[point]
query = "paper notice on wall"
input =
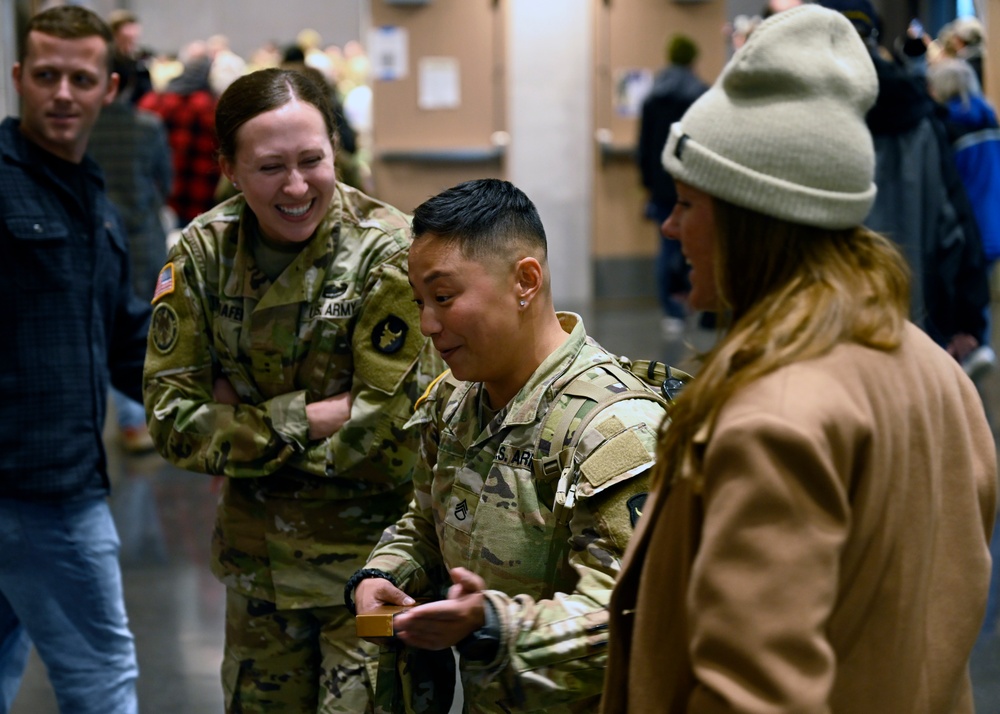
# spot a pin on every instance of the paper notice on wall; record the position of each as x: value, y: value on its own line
x: 632, y: 86
x: 388, y: 50
x: 439, y: 83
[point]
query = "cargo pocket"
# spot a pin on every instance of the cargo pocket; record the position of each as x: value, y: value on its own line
x: 233, y: 672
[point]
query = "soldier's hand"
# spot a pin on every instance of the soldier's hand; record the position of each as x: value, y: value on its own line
x: 328, y: 415
x: 442, y: 624
x: 372, y: 592
x: 465, y: 582
x: 223, y: 392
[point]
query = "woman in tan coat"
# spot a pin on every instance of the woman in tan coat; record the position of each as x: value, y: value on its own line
x: 826, y: 489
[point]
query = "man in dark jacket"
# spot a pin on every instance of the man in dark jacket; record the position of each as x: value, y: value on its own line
x: 674, y: 90
x: 71, y: 321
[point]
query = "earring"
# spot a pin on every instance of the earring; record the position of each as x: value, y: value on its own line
x: 523, y: 303
x: 236, y: 186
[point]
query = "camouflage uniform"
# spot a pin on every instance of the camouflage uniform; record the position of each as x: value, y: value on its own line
x: 480, y: 504
x: 339, y: 318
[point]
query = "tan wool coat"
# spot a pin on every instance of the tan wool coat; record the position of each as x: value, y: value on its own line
x: 832, y: 558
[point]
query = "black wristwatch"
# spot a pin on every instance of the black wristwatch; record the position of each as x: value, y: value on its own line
x: 363, y: 574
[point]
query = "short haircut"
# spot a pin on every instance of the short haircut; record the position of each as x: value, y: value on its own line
x: 487, y: 218
x: 119, y: 18
x: 681, y: 51
x: 264, y: 91
x: 68, y: 22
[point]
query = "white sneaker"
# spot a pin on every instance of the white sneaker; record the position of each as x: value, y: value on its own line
x: 979, y: 361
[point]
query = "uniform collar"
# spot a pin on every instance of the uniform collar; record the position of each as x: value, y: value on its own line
x: 544, y: 382
x: 547, y: 379
x: 303, y: 278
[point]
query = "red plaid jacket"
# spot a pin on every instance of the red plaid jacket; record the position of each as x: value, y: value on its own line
x: 190, y: 121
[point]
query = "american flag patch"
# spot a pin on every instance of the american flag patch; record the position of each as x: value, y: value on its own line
x: 164, y: 283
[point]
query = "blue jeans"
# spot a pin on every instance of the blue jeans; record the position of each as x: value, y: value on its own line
x: 60, y: 586
x: 671, y: 268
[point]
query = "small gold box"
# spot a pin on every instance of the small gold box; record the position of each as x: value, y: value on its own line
x: 378, y: 622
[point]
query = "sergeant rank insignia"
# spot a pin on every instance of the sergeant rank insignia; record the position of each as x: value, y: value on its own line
x: 163, y: 328
x: 389, y: 335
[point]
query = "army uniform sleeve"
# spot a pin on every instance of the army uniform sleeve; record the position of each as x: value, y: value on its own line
x: 553, y: 651
x: 410, y: 549
x: 189, y: 428
x: 393, y: 364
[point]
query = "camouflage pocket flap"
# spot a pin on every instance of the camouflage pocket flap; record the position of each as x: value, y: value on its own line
x: 387, y: 336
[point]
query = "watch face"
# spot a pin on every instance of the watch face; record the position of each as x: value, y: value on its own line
x: 481, y: 645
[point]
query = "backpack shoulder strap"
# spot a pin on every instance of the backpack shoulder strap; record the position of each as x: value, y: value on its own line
x: 658, y: 375
x: 556, y: 459
x: 555, y: 454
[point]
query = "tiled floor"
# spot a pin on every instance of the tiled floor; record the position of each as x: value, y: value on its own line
x: 176, y: 606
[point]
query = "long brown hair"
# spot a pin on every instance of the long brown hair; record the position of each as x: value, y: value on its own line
x: 792, y: 293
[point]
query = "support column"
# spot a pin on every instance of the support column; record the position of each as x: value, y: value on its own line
x: 549, y: 122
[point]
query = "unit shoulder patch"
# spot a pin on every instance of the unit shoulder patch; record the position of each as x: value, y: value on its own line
x: 386, y: 342
x: 164, y: 328
x: 619, y: 508
x: 389, y: 335
x: 635, y: 506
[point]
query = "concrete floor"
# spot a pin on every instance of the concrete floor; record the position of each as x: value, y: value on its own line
x: 165, y: 517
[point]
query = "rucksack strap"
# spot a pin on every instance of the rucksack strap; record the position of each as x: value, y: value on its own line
x: 654, y: 381
x: 643, y: 379
x: 659, y: 375
x: 569, y: 475
x: 580, y: 394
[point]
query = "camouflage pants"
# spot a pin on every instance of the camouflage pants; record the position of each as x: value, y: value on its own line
x: 300, y: 661
x: 412, y: 681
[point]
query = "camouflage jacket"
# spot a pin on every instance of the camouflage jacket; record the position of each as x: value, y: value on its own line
x: 339, y: 318
x: 481, y: 504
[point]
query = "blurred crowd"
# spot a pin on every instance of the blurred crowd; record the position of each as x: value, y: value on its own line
x: 962, y: 38
x: 937, y: 147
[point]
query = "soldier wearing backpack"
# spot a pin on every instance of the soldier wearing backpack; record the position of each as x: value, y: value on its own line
x: 536, y: 450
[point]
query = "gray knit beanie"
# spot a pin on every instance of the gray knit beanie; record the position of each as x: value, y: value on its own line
x: 782, y: 131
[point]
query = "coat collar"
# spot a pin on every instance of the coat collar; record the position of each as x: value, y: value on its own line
x: 16, y: 148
